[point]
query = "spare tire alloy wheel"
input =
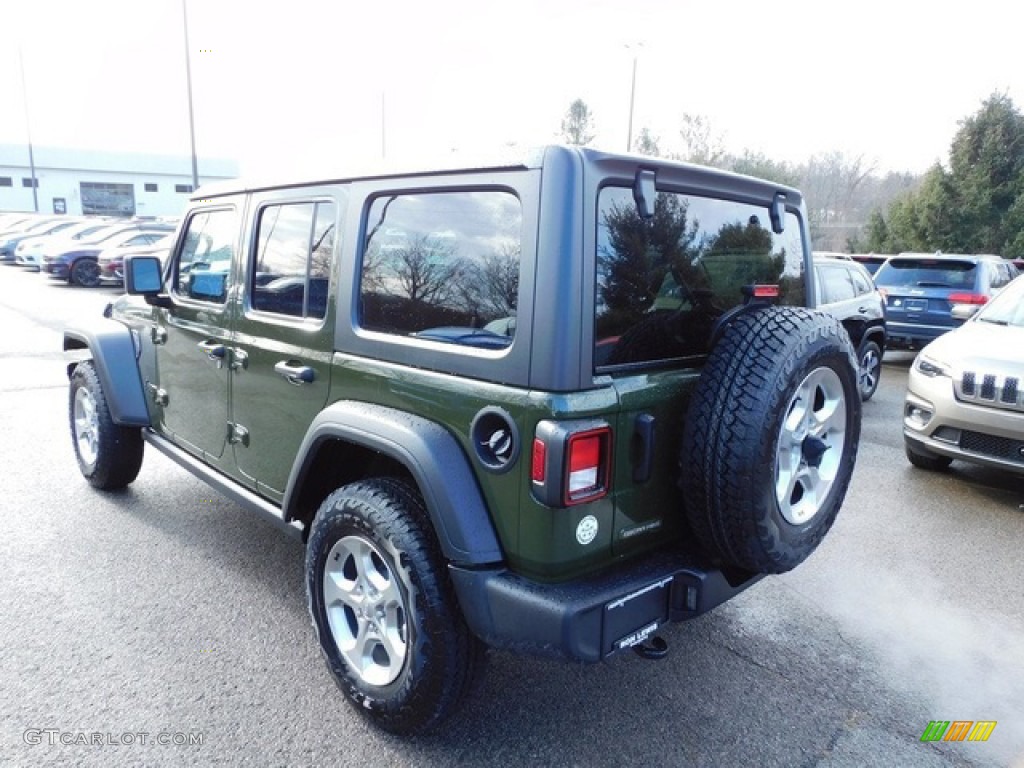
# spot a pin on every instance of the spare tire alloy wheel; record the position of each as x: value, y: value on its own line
x: 384, y: 609
x: 811, y: 446
x: 771, y: 438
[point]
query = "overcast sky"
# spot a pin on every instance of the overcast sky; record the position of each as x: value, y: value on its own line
x: 313, y: 81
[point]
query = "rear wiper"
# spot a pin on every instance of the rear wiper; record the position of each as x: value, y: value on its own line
x: 928, y: 284
x: 994, y: 322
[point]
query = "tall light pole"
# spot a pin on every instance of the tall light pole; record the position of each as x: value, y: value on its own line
x: 188, y: 83
x: 28, y: 131
x: 632, y: 96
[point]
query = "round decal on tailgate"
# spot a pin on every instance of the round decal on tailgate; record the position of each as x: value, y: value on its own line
x: 586, y: 531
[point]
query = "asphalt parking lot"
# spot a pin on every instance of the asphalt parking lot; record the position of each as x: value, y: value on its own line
x: 164, y: 625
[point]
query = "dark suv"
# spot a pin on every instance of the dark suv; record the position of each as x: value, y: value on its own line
x: 928, y: 294
x: 845, y: 290
x: 548, y: 405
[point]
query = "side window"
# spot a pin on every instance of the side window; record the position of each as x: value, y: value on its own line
x: 836, y: 285
x: 861, y: 283
x: 1000, y: 275
x: 138, y: 240
x: 443, y: 266
x: 204, y: 264
x: 293, y: 259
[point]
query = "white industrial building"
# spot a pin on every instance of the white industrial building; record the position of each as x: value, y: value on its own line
x: 79, y: 181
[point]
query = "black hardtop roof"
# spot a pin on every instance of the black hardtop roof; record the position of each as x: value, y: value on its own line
x: 521, y: 159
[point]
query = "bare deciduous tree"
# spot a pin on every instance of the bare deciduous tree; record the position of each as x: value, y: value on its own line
x: 578, y: 124
x: 702, y: 144
x: 647, y: 144
x: 426, y: 271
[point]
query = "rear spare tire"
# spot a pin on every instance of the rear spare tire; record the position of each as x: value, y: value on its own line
x: 771, y: 438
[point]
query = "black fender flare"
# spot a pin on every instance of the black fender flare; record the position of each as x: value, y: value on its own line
x: 432, y: 456
x: 113, y: 352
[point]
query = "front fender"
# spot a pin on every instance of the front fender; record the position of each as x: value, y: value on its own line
x: 113, y: 354
x: 434, y: 459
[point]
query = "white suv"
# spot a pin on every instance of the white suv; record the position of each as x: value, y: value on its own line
x: 965, y: 398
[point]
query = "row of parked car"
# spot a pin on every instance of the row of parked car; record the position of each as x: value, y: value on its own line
x: 86, y: 251
x: 964, y: 314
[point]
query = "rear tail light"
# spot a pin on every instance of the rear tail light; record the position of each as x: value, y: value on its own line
x: 766, y: 291
x: 538, y: 467
x: 760, y: 291
x: 571, y: 462
x: 587, y: 457
x: 967, y: 298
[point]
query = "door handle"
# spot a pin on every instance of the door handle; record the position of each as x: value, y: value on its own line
x: 214, y: 351
x: 239, y: 359
x: 296, y: 374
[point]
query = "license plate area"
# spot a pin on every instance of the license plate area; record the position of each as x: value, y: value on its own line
x: 916, y: 305
x: 630, y: 620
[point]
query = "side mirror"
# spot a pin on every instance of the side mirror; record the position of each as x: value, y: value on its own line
x: 143, y: 277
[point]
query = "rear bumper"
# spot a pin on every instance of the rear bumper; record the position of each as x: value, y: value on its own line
x: 901, y: 335
x: 590, y: 619
x: 58, y: 270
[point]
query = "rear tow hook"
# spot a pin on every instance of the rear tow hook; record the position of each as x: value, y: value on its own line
x: 656, y: 649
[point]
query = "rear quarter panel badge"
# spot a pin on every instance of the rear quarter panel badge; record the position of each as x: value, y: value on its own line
x: 586, y: 531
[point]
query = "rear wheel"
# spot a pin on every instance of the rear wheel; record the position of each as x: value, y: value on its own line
x: 870, y: 369
x: 384, y: 608
x: 771, y: 438
x: 109, y: 455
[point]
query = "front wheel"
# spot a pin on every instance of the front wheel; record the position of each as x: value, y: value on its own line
x: 86, y: 273
x: 109, y: 455
x: 932, y: 462
x: 384, y: 608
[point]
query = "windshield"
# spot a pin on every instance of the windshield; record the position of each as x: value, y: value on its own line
x: 1007, y: 308
x: 663, y: 282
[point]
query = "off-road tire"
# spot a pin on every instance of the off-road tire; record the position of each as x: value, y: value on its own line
x: 109, y: 455
x: 374, y: 539
x: 932, y: 462
x: 778, y: 394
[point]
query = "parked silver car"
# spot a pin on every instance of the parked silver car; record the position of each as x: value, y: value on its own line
x: 965, y: 398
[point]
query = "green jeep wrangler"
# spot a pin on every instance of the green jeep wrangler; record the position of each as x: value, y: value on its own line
x: 548, y: 405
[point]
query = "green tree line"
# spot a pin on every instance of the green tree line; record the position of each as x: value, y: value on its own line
x: 972, y: 204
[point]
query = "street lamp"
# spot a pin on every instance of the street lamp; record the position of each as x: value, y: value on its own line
x: 188, y: 83
x: 28, y: 130
x: 632, y: 95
